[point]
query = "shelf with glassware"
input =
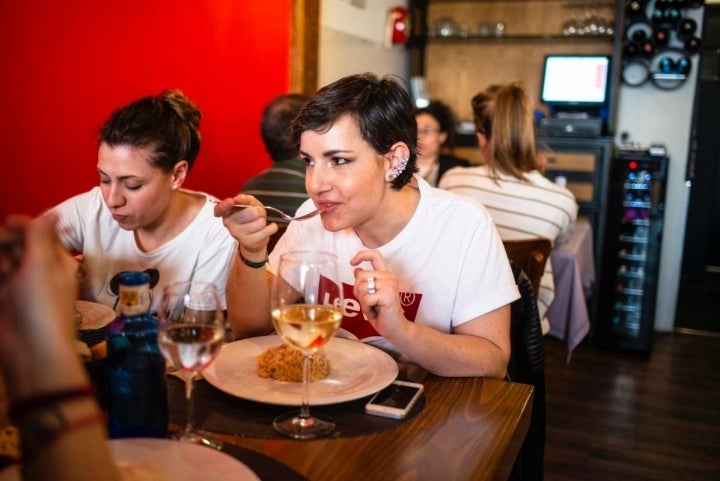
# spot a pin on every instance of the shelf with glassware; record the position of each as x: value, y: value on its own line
x: 519, y: 38
x: 458, y: 48
x: 502, y: 20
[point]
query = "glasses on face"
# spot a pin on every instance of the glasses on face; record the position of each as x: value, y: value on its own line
x: 427, y: 131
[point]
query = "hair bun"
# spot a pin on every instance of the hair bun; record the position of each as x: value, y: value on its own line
x: 183, y: 106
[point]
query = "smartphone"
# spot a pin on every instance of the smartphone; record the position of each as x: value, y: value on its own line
x: 395, y: 401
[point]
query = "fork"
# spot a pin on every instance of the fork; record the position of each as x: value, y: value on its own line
x: 282, y: 214
x: 277, y: 211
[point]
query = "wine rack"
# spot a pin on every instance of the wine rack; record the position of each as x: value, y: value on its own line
x: 659, y: 42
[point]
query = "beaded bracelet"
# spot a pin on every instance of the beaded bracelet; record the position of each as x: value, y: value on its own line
x: 21, y: 408
x: 254, y: 265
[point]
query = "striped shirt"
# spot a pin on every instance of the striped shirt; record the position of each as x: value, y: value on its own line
x: 520, y: 210
x: 281, y: 186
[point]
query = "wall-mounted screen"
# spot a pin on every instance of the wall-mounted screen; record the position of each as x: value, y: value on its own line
x: 575, y: 80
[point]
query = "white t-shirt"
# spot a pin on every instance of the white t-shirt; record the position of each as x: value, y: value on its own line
x: 450, y: 262
x: 520, y: 210
x: 204, y: 251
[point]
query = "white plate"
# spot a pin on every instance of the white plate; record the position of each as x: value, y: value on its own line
x: 174, y: 459
x: 95, y: 315
x: 356, y: 370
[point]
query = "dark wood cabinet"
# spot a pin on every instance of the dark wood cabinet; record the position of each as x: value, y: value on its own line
x: 585, y: 163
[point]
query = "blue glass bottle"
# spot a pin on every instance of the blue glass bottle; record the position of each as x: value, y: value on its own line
x: 137, y: 389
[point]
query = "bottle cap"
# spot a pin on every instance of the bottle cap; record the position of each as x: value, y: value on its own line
x: 133, y: 278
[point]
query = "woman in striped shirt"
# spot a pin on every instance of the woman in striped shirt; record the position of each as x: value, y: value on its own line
x: 523, y: 203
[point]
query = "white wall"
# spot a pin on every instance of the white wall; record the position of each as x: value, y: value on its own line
x: 652, y: 115
x: 352, y: 40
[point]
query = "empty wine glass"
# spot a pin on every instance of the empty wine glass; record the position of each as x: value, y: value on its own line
x: 190, y: 333
x: 305, y: 306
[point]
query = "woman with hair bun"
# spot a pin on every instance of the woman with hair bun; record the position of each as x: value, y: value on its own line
x: 139, y: 218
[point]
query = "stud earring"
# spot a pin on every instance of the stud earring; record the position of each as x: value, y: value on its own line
x: 174, y: 187
x: 395, y: 173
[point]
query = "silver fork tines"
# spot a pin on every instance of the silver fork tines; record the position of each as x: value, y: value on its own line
x: 266, y: 207
x: 277, y: 211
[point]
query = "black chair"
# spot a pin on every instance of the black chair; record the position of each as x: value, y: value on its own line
x: 527, y: 366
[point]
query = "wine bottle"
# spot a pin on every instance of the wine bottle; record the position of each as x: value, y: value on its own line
x: 630, y: 50
x: 672, y: 16
x: 658, y: 16
x: 668, y: 65
x: 137, y: 389
x: 686, y: 28
x: 648, y: 49
x: 692, y: 45
x: 660, y: 36
x: 635, y: 8
x: 683, y: 66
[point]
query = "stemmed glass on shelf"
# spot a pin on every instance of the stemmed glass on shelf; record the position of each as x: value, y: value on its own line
x: 306, y: 311
x: 191, y: 330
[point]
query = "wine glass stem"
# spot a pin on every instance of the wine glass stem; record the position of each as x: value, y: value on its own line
x: 306, y: 367
x: 190, y: 403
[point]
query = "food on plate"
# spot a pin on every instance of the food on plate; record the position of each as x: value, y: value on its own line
x: 284, y: 363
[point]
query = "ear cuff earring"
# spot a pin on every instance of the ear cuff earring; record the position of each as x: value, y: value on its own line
x: 395, y: 173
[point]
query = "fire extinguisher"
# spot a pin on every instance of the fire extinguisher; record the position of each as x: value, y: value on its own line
x: 398, y: 26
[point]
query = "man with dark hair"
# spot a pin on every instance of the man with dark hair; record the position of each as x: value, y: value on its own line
x: 283, y: 184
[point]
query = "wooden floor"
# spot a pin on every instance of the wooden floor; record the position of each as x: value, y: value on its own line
x: 614, y: 415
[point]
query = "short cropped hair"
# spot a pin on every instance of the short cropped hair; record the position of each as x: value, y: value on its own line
x: 381, y: 106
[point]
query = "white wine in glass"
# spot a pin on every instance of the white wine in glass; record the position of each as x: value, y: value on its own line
x: 305, y: 306
x: 191, y: 330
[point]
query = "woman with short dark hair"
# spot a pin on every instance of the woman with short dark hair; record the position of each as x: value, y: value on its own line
x: 425, y: 274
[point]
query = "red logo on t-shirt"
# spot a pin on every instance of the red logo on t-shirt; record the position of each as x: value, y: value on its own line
x: 353, y: 318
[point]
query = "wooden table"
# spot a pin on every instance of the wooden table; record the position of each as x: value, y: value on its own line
x: 470, y: 429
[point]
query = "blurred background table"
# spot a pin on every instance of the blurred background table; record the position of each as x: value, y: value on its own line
x: 574, y: 275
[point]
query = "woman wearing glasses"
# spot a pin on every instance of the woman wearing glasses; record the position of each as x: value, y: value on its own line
x: 436, y: 140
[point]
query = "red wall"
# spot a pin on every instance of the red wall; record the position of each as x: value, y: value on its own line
x: 64, y: 66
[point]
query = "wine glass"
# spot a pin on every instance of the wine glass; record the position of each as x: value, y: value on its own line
x: 305, y: 306
x: 191, y: 330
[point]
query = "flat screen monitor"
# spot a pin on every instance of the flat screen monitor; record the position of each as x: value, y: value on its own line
x: 573, y: 82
